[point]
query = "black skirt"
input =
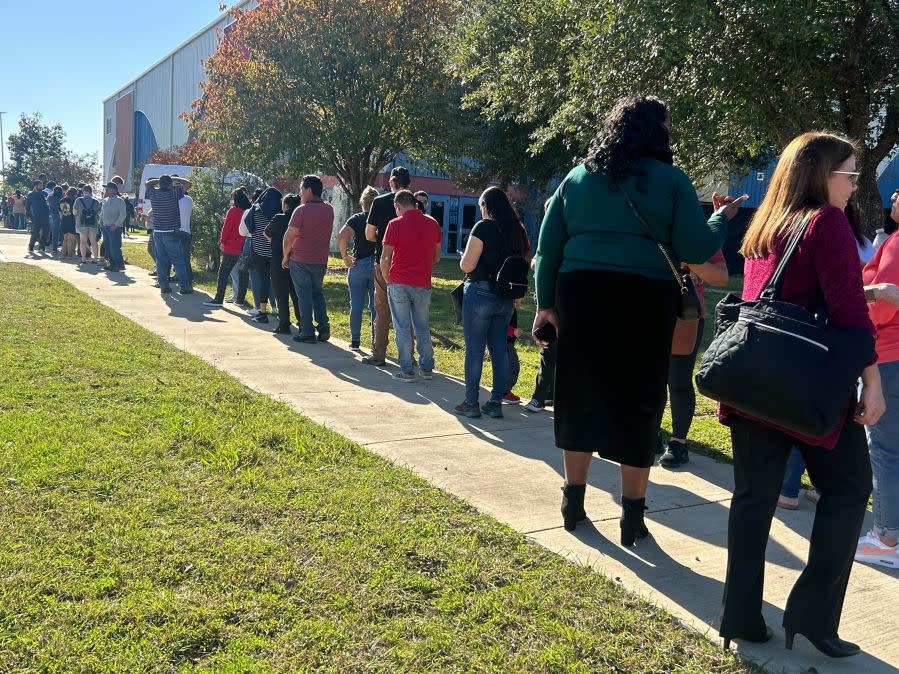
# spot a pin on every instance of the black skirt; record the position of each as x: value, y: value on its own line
x: 614, y: 348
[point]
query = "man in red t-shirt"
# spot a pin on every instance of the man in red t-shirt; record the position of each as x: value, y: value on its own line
x: 412, y: 244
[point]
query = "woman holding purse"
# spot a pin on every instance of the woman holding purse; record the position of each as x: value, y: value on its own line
x: 814, y: 179
x: 595, y: 251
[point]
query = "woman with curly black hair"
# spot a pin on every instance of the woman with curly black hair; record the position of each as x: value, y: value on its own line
x: 607, y: 289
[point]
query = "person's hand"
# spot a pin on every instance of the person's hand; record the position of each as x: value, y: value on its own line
x: 888, y: 292
x: 727, y: 205
x: 518, y: 303
x: 517, y: 332
x: 285, y: 263
x: 221, y: 248
x: 350, y: 262
x: 545, y: 316
x: 871, y: 406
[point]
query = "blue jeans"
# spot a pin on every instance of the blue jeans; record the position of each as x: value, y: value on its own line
x: 485, y: 320
x: 361, y: 280
x: 308, y: 280
x: 187, y: 244
x: 793, y: 475
x: 55, y: 235
x: 410, y: 307
x: 169, y: 253
x: 113, y: 238
x: 883, y: 443
x: 20, y: 220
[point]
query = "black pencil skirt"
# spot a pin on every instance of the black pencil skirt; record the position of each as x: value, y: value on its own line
x: 614, y: 348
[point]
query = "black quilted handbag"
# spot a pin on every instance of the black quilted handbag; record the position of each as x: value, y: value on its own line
x: 780, y: 363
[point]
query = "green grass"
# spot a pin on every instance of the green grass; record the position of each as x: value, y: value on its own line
x: 157, y: 516
x: 708, y: 436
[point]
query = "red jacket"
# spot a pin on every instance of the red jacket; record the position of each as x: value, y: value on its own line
x: 231, y: 240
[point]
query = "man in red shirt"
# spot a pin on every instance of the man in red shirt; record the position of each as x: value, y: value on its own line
x: 412, y: 244
x: 306, y: 246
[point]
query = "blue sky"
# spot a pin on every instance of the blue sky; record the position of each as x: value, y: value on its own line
x: 54, y: 64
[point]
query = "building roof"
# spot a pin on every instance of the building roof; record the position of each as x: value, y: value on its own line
x: 210, y: 26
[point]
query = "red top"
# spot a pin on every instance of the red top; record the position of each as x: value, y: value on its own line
x: 413, y: 236
x: 825, y: 264
x: 884, y: 268
x: 699, y: 284
x: 231, y: 240
x: 314, y: 221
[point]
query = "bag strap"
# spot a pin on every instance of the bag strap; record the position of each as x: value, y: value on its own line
x: 772, y: 288
x: 677, y: 276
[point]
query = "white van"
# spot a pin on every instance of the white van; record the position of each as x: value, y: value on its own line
x: 151, y: 171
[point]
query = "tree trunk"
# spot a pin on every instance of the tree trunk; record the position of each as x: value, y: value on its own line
x: 868, y: 195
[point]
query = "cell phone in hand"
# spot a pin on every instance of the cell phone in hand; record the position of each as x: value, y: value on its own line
x: 546, y: 333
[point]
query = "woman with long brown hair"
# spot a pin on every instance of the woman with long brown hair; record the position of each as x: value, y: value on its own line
x: 814, y: 180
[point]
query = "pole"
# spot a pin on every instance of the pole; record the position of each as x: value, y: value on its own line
x: 2, y: 149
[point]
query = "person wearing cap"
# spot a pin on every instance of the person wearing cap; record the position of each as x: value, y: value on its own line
x: 381, y: 213
x: 112, y: 219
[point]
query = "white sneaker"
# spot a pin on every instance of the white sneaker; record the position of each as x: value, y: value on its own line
x: 254, y: 312
x: 871, y: 550
x: 534, y: 405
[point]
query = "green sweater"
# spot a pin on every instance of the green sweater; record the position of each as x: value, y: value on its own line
x: 589, y: 225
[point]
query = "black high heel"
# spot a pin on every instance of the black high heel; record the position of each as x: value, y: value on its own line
x: 573, y: 505
x: 758, y: 639
x: 832, y: 647
x: 632, y: 524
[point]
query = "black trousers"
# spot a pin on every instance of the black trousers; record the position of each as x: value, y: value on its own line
x: 40, y: 234
x: 226, y: 264
x: 284, y: 293
x: 544, y: 388
x: 843, y: 475
x: 263, y: 268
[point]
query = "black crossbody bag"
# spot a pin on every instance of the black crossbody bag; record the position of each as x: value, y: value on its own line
x: 779, y: 362
x: 689, y: 307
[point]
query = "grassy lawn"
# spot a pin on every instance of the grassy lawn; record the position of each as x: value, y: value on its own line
x: 157, y: 522
x: 709, y: 437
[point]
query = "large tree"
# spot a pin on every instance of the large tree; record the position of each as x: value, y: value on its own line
x: 40, y: 148
x: 742, y: 77
x: 340, y: 86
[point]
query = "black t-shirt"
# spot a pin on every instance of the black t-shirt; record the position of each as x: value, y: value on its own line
x: 362, y: 247
x: 382, y: 212
x: 492, y: 255
x: 275, y: 230
x: 36, y: 206
x: 65, y: 207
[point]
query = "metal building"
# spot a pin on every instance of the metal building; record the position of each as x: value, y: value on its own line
x: 145, y: 114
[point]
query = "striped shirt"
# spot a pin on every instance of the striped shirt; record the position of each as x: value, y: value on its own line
x: 261, y: 246
x: 166, y: 214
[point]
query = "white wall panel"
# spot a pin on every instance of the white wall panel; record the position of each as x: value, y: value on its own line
x: 108, y: 138
x: 189, y: 74
x: 153, y: 97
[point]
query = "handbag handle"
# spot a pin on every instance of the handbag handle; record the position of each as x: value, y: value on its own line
x: 772, y: 288
x: 677, y: 276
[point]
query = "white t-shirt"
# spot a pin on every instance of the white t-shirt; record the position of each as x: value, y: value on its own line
x: 186, y: 207
x: 865, y: 251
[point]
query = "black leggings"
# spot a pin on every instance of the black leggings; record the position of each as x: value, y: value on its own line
x: 40, y: 234
x: 546, y: 376
x: 680, y: 387
x: 263, y: 268
x: 284, y: 293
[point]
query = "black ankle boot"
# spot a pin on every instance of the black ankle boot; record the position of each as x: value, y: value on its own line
x: 632, y: 524
x: 573, y: 505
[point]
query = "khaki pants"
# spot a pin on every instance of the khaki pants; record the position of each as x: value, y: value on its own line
x: 383, y: 319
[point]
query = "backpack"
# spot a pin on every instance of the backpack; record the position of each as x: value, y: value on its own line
x: 88, y: 215
x: 511, y: 279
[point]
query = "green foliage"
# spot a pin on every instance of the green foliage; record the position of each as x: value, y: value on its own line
x: 40, y: 148
x: 212, y: 196
x: 340, y: 87
x: 178, y: 522
x: 741, y: 77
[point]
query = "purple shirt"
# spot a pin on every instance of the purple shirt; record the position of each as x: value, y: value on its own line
x: 825, y: 264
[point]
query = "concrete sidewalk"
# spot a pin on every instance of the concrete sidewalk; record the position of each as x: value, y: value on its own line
x: 510, y: 469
